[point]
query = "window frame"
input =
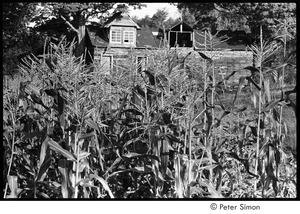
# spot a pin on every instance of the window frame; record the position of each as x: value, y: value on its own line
x: 110, y: 64
x: 133, y: 36
x: 139, y: 64
x: 111, y: 36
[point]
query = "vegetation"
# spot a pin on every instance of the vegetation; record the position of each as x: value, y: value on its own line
x: 27, y: 25
x: 18, y: 40
x: 72, y: 130
x: 242, y: 16
x: 158, y: 20
x: 75, y: 131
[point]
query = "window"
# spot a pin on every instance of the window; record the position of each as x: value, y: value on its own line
x: 142, y: 62
x: 116, y: 36
x: 106, y: 63
x: 128, y: 37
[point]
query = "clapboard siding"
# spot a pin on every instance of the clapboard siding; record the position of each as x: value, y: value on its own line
x: 224, y: 62
x: 228, y: 61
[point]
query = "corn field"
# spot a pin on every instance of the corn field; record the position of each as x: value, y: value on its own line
x: 72, y: 130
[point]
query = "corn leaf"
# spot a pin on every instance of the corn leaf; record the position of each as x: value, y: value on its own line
x: 115, y: 163
x: 173, y: 138
x: 51, y: 92
x: 241, y: 109
x: 150, y: 76
x: 91, y: 134
x: 142, y: 169
x: 136, y: 155
x: 92, y: 124
x: 103, y: 182
x: 178, y: 182
x: 271, y: 105
x: 226, y: 78
x: 252, y: 81
x: 13, y: 186
x: 66, y: 183
x: 45, y: 160
x: 164, y: 155
x: 169, y: 175
x: 56, y: 147
x: 44, y: 195
x: 252, y: 69
x: 241, y: 81
x: 213, y: 192
x: 133, y: 111
x: 204, y: 56
x: 61, y: 104
x: 37, y: 134
x: 62, y: 120
x: 83, y: 155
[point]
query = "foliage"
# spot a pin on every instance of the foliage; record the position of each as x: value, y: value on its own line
x: 187, y: 16
x: 18, y: 39
x: 26, y: 26
x: 76, y: 131
x: 241, y: 16
x: 73, y: 17
x: 158, y: 20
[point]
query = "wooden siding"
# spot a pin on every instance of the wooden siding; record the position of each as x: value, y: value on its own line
x: 123, y: 29
x: 120, y: 56
x: 225, y: 62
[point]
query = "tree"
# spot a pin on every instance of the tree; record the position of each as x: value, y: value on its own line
x: 146, y: 21
x: 240, y: 16
x: 187, y: 16
x: 18, y: 38
x: 203, y: 13
x: 160, y: 17
x: 75, y: 16
x: 170, y: 22
x: 158, y: 20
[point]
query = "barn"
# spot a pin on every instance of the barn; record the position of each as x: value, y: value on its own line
x: 121, y: 40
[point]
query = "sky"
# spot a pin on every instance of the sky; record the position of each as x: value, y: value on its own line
x: 152, y: 8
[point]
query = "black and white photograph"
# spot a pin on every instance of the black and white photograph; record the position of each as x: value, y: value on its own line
x: 146, y: 101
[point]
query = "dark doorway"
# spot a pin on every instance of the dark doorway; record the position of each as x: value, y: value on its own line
x: 182, y: 39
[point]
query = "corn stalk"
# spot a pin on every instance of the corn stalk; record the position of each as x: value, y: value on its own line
x: 260, y: 58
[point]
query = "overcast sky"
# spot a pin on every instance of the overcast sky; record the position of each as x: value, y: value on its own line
x: 152, y: 8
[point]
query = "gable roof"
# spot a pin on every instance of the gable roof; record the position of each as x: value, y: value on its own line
x: 121, y: 19
x: 157, y: 34
x: 145, y: 38
x: 177, y: 27
x: 96, y: 36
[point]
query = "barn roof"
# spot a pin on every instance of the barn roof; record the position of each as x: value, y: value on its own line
x: 177, y: 27
x: 96, y: 36
x: 120, y: 19
x: 144, y: 37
